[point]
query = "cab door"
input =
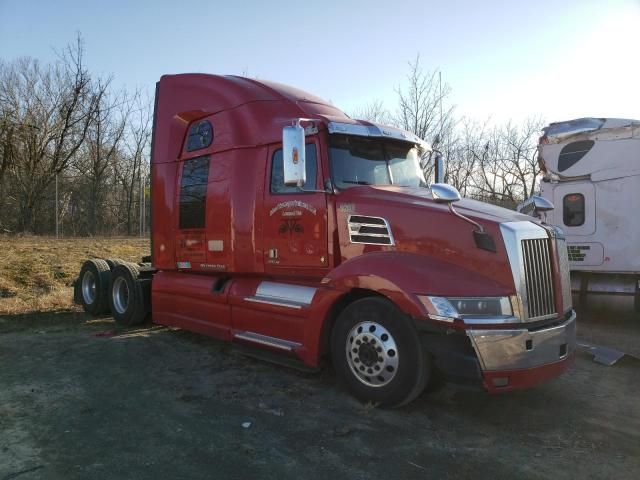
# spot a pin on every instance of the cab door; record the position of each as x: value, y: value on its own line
x: 295, y: 225
x: 575, y: 208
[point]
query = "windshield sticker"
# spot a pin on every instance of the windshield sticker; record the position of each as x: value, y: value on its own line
x: 292, y: 204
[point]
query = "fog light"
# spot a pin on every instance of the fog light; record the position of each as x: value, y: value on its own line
x: 500, y: 381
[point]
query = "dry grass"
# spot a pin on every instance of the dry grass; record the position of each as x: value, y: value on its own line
x: 37, y: 273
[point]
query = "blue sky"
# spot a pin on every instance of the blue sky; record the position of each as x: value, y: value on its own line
x: 503, y: 60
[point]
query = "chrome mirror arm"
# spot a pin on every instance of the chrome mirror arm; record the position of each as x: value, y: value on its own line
x: 466, y: 219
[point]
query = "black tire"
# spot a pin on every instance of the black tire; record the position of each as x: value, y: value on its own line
x: 128, y: 295
x: 114, y: 262
x: 409, y: 364
x: 94, y: 286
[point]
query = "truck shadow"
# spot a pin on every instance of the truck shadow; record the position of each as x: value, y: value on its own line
x: 25, y: 321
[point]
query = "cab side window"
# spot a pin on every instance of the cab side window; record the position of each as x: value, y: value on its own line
x: 193, y: 192
x: 277, y: 171
x: 573, y: 210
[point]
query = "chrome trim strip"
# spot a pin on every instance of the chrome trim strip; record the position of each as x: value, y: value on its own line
x: 489, y: 320
x: 565, y: 277
x: 283, y: 294
x: 268, y: 301
x: 267, y: 340
x: 500, y: 350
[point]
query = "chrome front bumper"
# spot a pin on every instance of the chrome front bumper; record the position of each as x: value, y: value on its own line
x: 516, y: 349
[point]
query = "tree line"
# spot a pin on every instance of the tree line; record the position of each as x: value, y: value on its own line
x: 74, y: 149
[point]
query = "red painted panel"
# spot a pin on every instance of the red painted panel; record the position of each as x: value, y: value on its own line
x: 295, y: 225
x: 272, y: 320
x: 265, y: 321
x: 186, y: 300
x: 526, y: 378
x: 422, y: 227
x: 191, y: 247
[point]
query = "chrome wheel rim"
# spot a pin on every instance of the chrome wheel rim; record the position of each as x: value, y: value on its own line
x: 88, y: 287
x: 372, y: 354
x: 120, y: 295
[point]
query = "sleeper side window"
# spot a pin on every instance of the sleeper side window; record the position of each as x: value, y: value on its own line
x: 277, y: 171
x: 572, y: 153
x: 200, y: 136
x: 193, y: 192
x: 573, y: 209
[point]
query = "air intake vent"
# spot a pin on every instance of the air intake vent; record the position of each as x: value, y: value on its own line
x: 370, y: 230
x: 539, y: 279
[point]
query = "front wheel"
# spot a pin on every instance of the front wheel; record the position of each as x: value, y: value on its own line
x: 377, y: 354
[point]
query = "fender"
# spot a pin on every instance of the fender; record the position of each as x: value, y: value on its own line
x: 399, y: 276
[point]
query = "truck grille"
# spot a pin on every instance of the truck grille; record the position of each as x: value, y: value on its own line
x: 539, y: 277
x: 371, y: 230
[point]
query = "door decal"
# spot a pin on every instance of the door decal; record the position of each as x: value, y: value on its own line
x: 290, y: 226
x: 292, y: 204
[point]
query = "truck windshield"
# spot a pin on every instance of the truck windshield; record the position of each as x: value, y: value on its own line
x: 366, y: 161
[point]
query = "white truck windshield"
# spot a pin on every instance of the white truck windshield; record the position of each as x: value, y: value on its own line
x: 367, y: 161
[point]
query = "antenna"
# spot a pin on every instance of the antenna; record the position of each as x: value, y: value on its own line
x: 440, y: 86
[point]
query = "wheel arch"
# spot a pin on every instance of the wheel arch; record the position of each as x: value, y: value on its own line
x: 396, y: 276
x: 333, y: 313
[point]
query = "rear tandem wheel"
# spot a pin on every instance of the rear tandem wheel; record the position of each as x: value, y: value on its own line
x: 129, y: 295
x: 94, y: 285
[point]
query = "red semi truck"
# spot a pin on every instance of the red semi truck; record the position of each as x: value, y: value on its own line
x: 280, y: 223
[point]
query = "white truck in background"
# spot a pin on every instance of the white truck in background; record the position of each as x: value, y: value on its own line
x: 591, y: 174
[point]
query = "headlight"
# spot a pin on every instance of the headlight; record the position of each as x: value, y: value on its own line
x: 447, y: 309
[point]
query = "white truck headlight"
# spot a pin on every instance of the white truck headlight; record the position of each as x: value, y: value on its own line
x: 449, y: 308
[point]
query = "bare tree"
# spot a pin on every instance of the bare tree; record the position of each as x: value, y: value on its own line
x: 421, y: 102
x: 50, y: 110
x: 374, y: 111
x: 132, y: 170
x: 102, y: 147
x: 505, y: 165
x: 464, y: 148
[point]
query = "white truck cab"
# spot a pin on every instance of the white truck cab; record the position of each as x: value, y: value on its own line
x: 591, y: 174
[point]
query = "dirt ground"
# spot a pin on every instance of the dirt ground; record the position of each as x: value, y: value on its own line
x: 80, y: 398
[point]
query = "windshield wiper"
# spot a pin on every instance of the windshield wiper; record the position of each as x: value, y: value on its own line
x: 356, y: 182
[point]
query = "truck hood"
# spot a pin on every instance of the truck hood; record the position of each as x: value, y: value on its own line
x: 421, y: 198
x: 420, y: 226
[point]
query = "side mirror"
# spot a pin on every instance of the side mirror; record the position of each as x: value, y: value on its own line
x: 293, y: 150
x: 541, y: 204
x: 444, y: 193
x: 534, y: 205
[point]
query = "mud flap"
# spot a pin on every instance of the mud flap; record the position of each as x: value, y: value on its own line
x: 77, y: 292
